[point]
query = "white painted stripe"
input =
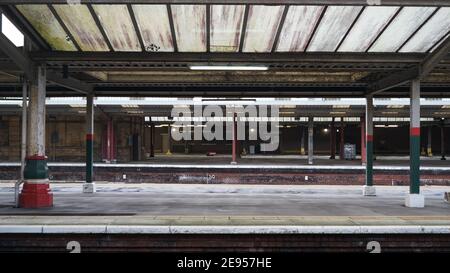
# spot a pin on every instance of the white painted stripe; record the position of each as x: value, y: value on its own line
x: 125, y: 229
x: 122, y: 229
x: 20, y: 229
x: 85, y: 229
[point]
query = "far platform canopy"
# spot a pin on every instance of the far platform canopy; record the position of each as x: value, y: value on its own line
x: 335, y: 48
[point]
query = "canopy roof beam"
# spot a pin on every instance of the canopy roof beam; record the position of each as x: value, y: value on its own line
x: 416, y: 72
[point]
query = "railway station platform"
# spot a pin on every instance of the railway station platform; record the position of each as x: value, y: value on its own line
x: 165, y: 217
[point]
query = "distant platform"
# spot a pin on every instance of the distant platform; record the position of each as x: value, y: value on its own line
x: 281, y: 170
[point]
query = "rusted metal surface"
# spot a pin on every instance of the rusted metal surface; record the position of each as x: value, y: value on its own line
x: 225, y: 242
x: 334, y: 24
x: 262, y: 25
x: 230, y: 76
x: 298, y: 27
x: 406, y: 22
x: 153, y: 22
x: 190, y: 27
x: 430, y: 33
x: 226, y: 25
x: 80, y: 23
x: 116, y: 21
x: 45, y: 23
x: 367, y: 28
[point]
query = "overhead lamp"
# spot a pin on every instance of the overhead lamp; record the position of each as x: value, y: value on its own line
x: 229, y: 67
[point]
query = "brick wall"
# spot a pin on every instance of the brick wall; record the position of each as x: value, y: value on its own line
x: 65, y: 139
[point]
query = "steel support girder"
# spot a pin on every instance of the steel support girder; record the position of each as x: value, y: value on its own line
x: 69, y: 83
x: 416, y: 72
x: 394, y: 80
x: 211, y: 57
x: 435, y: 57
x: 26, y: 65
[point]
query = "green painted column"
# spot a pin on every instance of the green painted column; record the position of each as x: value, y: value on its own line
x: 369, y: 141
x: 89, y: 186
x: 310, y: 140
x: 89, y: 138
x: 414, y: 138
x: 442, y: 142
x: 368, y: 189
x: 414, y: 198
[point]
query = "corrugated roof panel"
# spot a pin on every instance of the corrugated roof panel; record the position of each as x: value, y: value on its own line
x: 403, y: 26
x: 226, y: 25
x: 116, y: 21
x: 43, y: 20
x: 81, y: 25
x: 298, y: 27
x: 430, y: 33
x: 153, y: 23
x: 190, y: 27
x: 367, y: 28
x: 334, y: 24
x: 262, y: 24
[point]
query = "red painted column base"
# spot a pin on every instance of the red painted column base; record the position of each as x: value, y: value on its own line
x: 35, y: 196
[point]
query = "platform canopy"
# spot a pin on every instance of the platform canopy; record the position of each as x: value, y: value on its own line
x: 305, y: 48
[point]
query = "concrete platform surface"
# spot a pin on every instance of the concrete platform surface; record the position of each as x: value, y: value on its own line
x: 232, y: 205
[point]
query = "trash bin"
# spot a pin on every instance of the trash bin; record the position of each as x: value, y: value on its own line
x: 349, y: 151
